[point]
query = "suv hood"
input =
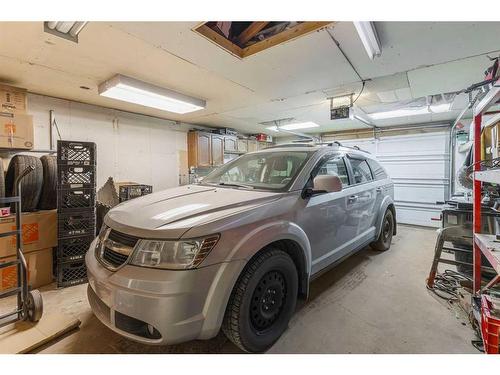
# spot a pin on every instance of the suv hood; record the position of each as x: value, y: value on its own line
x: 170, y: 213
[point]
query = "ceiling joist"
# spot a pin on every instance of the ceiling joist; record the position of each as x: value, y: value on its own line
x: 250, y: 32
x: 300, y: 29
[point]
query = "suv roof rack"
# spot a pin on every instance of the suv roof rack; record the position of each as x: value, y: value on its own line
x: 330, y: 144
x: 337, y: 143
x: 292, y: 145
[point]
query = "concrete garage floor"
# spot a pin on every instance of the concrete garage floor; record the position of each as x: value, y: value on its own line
x: 371, y: 303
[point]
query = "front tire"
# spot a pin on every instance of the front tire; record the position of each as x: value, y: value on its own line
x: 262, y: 302
x: 383, y: 242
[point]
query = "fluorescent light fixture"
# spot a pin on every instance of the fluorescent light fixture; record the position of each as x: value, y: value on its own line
x: 406, y: 112
x: 294, y: 126
x: 65, y: 29
x: 369, y: 38
x: 138, y: 92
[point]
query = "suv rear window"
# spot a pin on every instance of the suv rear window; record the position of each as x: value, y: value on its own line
x: 378, y: 171
x: 361, y: 171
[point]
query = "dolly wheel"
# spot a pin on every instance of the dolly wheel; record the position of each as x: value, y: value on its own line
x: 34, y: 306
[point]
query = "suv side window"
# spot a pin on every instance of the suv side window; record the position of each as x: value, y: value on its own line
x: 361, y: 171
x: 335, y: 166
x: 378, y: 171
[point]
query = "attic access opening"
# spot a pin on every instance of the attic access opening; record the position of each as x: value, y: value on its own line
x: 245, y: 38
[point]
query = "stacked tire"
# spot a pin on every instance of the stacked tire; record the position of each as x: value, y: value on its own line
x: 38, y: 188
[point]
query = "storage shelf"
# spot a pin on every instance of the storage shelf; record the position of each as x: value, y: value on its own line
x: 490, y: 247
x: 491, y: 175
x: 490, y: 99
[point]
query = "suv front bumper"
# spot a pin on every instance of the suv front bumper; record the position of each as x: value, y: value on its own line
x: 179, y: 305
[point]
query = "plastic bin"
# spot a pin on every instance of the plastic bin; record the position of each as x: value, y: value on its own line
x: 76, y: 224
x: 73, y: 248
x: 75, y: 199
x: 74, y: 177
x: 71, y: 273
x: 76, y: 153
x: 490, y: 326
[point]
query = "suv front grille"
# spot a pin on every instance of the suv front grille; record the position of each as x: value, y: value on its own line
x: 114, y: 258
x: 123, y: 238
x: 115, y: 249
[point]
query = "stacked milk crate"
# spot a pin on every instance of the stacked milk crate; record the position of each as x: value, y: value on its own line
x: 76, y: 201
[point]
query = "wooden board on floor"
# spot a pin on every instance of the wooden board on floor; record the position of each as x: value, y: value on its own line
x: 23, y: 337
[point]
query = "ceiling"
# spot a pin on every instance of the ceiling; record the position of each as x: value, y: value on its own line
x: 291, y: 80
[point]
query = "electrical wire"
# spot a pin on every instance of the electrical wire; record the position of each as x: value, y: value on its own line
x: 360, y: 92
x: 363, y: 81
x: 446, y: 284
x: 57, y: 129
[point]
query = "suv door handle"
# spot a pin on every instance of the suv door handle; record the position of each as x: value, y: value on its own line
x: 353, y: 198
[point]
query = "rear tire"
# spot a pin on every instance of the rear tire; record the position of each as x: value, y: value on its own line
x: 383, y: 242
x: 262, y: 302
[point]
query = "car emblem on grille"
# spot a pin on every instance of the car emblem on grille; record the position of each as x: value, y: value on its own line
x: 117, y: 247
x: 112, y: 254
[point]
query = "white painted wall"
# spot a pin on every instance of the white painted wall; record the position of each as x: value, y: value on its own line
x: 129, y: 147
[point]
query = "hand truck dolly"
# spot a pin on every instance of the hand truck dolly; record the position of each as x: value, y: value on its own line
x: 29, y: 302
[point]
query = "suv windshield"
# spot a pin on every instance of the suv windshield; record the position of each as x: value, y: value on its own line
x: 263, y: 170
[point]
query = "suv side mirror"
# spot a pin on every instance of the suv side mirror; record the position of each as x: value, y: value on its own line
x: 327, y: 183
x: 323, y: 184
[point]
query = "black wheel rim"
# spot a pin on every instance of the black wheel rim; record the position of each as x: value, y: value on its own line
x: 268, y: 301
x: 387, y: 229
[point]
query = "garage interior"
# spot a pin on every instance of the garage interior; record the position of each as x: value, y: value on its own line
x: 423, y: 98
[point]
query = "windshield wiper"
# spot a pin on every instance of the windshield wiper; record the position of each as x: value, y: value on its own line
x: 235, y: 185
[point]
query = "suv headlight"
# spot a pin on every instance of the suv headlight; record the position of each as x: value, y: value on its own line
x: 172, y: 254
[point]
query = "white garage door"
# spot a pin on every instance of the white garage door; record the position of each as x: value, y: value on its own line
x: 418, y: 165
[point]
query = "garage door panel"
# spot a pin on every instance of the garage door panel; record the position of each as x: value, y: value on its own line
x: 418, y: 165
x: 415, y: 143
x: 415, y: 170
x: 417, y: 215
x: 429, y: 194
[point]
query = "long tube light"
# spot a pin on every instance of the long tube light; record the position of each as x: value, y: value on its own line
x: 407, y: 112
x: 138, y: 92
x: 369, y: 38
x: 294, y: 126
x: 65, y: 29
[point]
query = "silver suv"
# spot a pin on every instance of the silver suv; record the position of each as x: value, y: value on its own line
x: 237, y: 250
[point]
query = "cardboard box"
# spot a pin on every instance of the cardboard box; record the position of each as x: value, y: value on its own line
x: 13, y: 99
x: 16, y: 131
x: 39, y: 270
x: 39, y: 232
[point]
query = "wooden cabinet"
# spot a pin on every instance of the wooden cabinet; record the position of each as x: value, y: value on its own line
x: 199, y: 149
x: 262, y: 145
x: 230, y: 144
x: 217, y: 149
x: 205, y: 149
x: 242, y: 145
x: 208, y: 149
x: 252, y: 145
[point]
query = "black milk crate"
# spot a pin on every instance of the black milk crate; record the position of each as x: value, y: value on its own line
x: 128, y: 192
x: 74, y: 177
x: 75, y: 199
x: 76, y: 224
x: 76, y: 153
x: 73, y: 248
x: 71, y: 273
